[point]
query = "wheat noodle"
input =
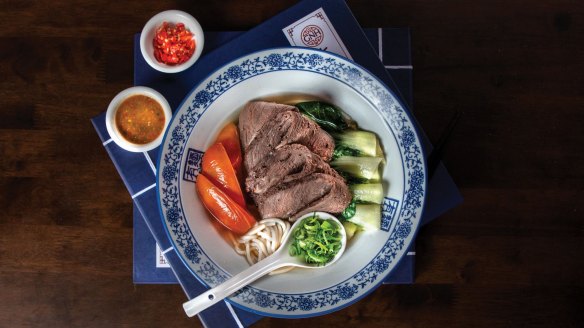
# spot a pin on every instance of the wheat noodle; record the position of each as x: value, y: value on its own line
x: 262, y: 241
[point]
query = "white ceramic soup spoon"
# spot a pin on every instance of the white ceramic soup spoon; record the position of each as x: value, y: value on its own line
x: 280, y: 258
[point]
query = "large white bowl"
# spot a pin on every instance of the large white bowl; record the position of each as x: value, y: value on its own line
x: 276, y: 74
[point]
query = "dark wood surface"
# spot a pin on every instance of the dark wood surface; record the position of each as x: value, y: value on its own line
x: 510, y: 255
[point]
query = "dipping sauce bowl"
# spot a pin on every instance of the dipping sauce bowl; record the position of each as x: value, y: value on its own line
x: 137, y: 118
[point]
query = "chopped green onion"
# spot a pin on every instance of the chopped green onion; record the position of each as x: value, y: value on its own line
x: 316, y: 240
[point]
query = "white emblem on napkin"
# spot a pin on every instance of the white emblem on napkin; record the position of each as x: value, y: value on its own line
x: 161, y: 259
x: 315, y: 30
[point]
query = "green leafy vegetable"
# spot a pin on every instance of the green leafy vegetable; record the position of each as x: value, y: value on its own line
x: 363, y: 143
x: 362, y: 193
x: 360, y: 167
x: 341, y: 150
x: 317, y: 241
x: 367, y: 216
x: 351, y: 180
x: 350, y: 228
x: 349, y: 212
x: 326, y: 115
x: 367, y: 192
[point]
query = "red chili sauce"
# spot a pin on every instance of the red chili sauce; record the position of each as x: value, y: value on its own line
x: 173, y: 44
x: 140, y: 119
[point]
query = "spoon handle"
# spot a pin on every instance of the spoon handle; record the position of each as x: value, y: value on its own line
x: 232, y: 285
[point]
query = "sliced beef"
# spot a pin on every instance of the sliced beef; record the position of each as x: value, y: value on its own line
x: 285, y: 164
x: 254, y: 115
x: 314, y: 192
x: 286, y: 128
x: 285, y: 156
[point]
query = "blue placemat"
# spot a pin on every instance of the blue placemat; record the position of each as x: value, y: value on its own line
x: 138, y: 169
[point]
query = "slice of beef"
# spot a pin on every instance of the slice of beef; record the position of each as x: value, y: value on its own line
x: 285, y: 164
x: 315, y: 192
x: 254, y: 115
x: 288, y: 128
x: 334, y: 202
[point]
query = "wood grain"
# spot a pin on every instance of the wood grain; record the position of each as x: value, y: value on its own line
x: 510, y: 255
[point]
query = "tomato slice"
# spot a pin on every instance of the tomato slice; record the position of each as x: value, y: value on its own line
x: 229, y: 137
x: 217, y: 167
x: 224, y: 209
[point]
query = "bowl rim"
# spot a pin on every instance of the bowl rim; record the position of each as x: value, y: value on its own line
x: 113, y: 107
x: 174, y: 16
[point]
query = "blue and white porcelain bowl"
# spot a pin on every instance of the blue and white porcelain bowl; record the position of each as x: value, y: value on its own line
x: 279, y: 73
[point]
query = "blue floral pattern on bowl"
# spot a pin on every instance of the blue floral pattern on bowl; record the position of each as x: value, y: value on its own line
x: 401, y: 227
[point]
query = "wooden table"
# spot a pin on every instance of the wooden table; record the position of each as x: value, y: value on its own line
x: 511, y: 255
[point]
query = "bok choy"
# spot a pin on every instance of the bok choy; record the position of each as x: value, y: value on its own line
x: 367, y: 216
x: 360, y: 167
x: 367, y: 192
x: 356, y: 143
x: 329, y: 117
x: 358, y: 157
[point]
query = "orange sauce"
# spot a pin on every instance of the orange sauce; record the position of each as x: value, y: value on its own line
x: 140, y: 119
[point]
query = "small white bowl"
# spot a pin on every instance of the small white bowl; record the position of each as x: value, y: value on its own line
x: 110, y: 118
x: 170, y: 16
